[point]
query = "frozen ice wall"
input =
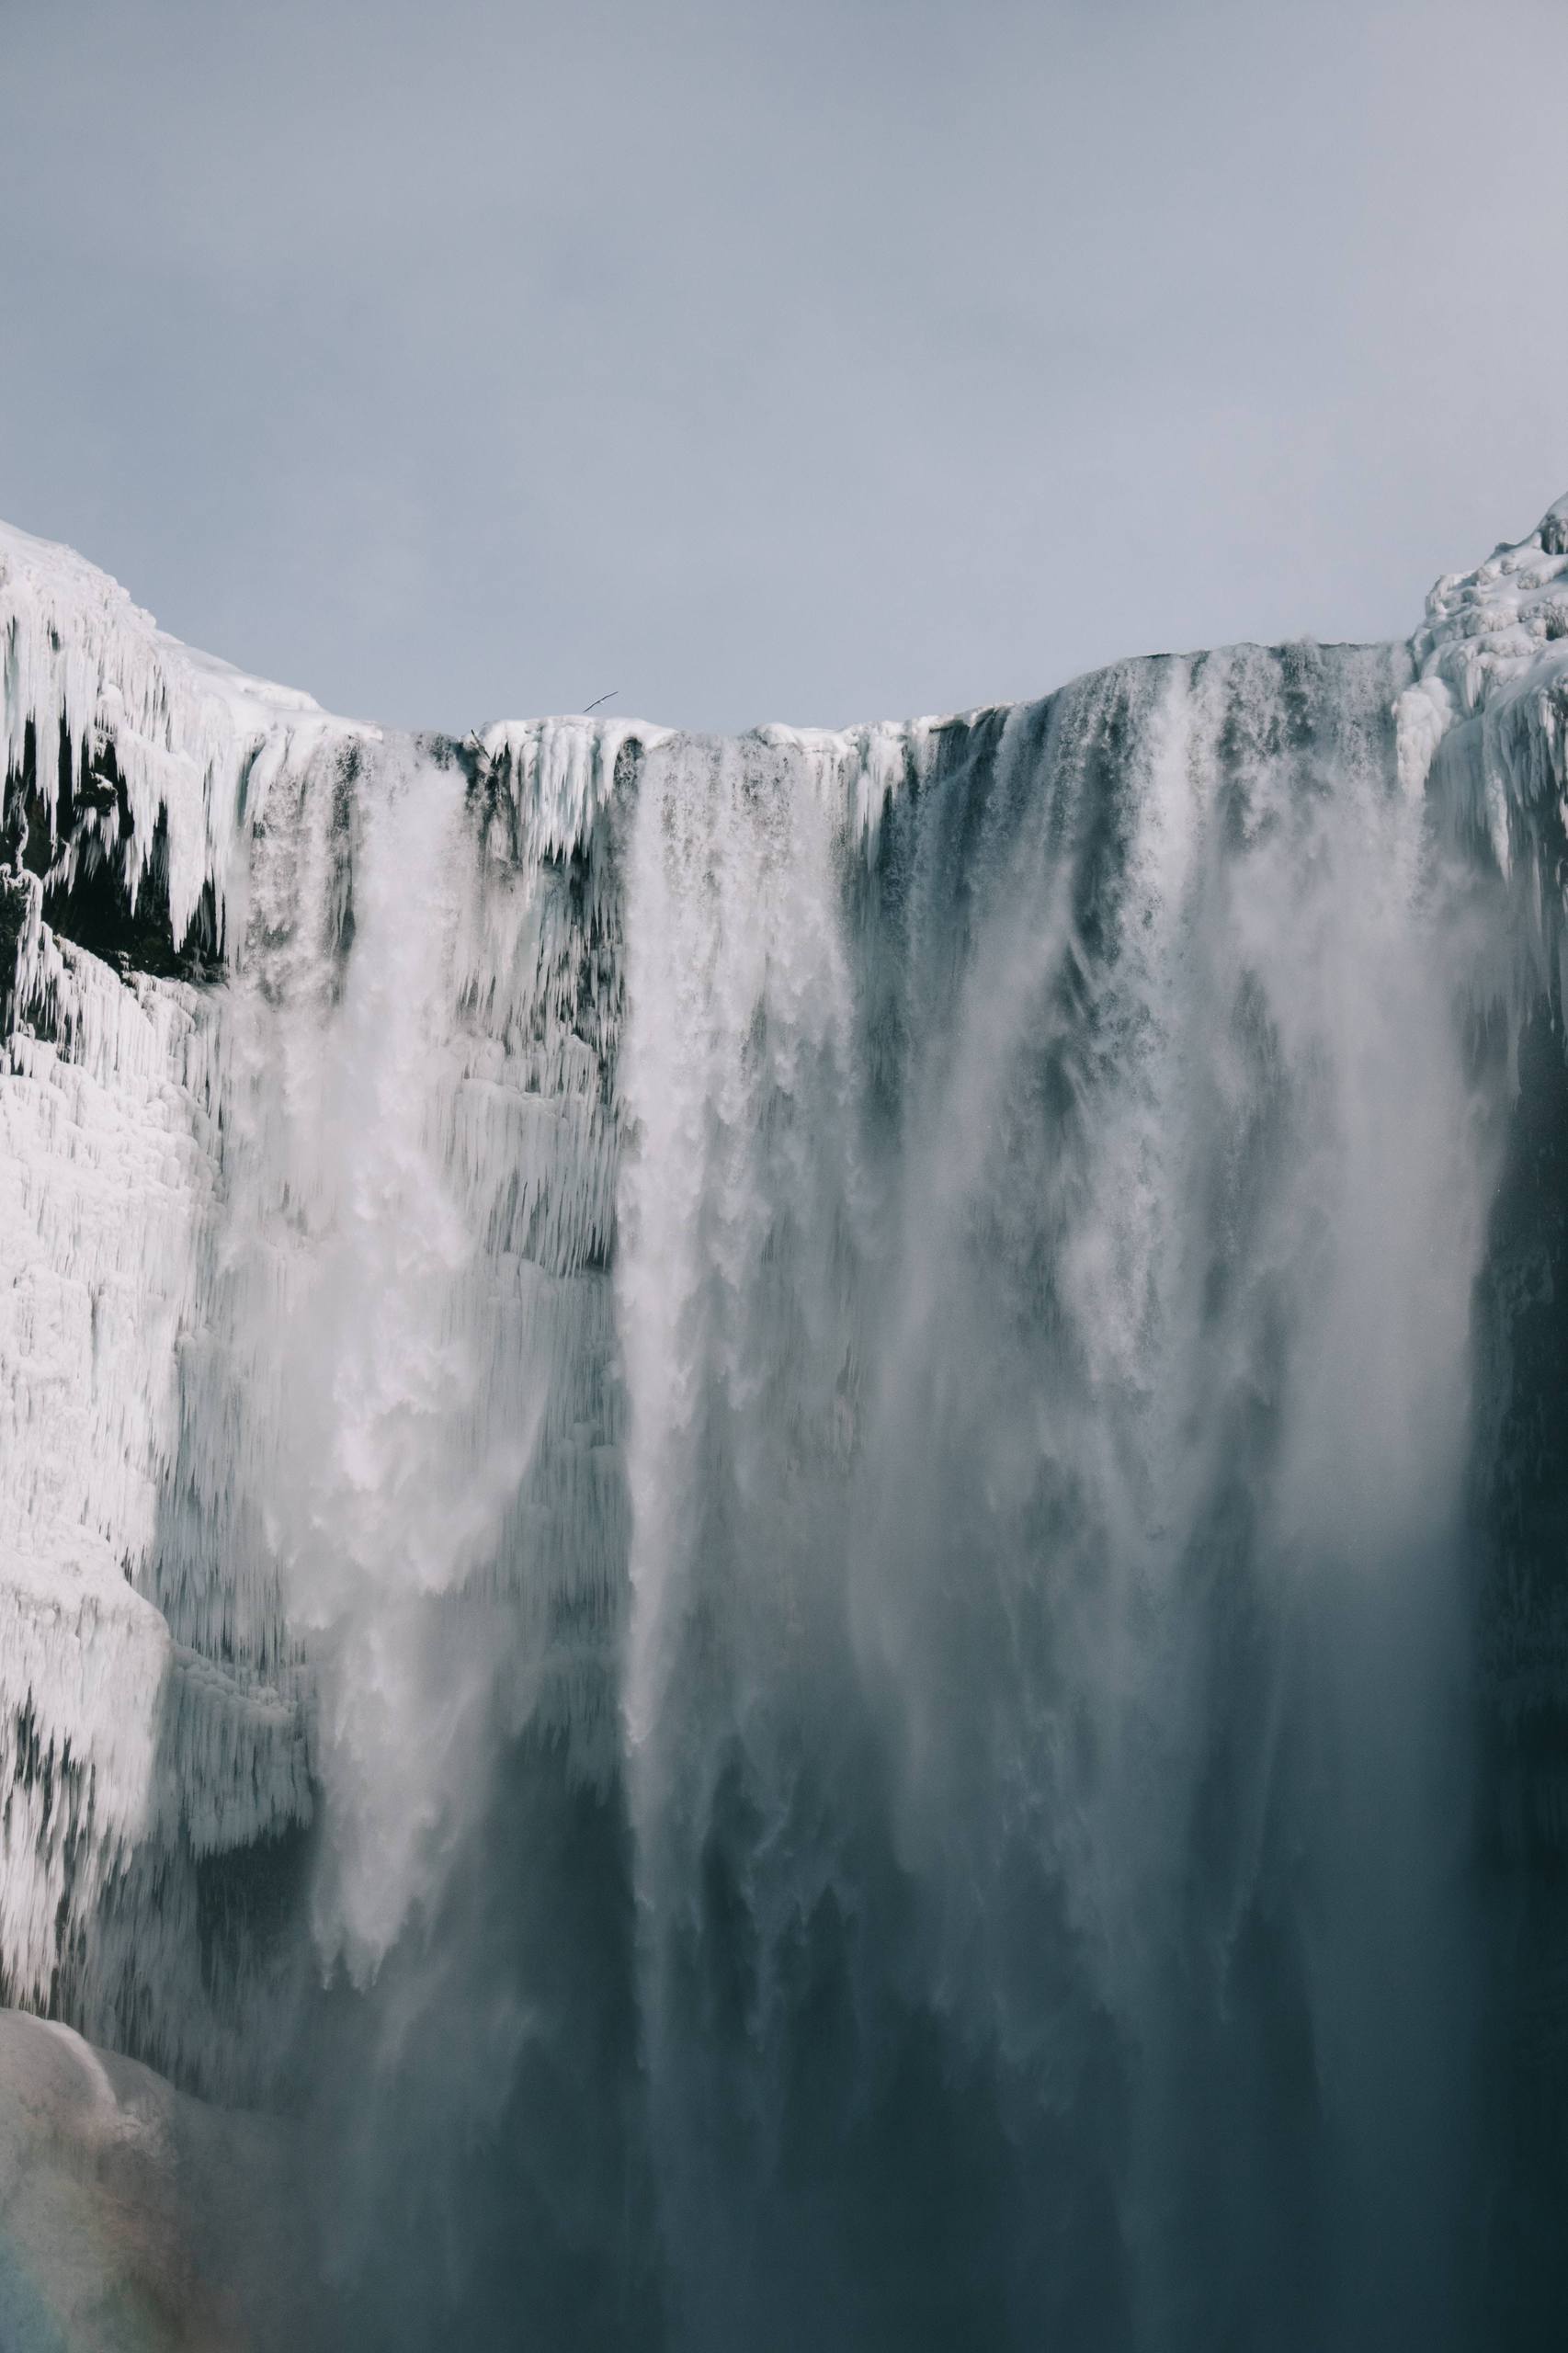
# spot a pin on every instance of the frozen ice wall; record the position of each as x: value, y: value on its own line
x: 307, y: 1329
x: 789, y: 1507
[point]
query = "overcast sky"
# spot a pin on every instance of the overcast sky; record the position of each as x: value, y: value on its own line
x: 776, y: 359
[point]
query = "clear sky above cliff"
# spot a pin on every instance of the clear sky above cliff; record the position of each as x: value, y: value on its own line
x: 806, y: 361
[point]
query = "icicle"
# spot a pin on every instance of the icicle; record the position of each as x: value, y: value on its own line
x: 87, y: 669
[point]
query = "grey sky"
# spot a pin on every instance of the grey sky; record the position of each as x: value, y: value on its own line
x: 789, y: 361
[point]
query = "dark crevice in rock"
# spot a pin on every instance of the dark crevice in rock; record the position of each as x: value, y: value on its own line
x: 86, y: 855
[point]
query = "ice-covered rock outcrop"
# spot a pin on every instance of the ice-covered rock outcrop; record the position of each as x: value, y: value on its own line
x: 1485, y: 724
x: 129, y: 1755
x: 126, y: 749
x: 304, y: 1317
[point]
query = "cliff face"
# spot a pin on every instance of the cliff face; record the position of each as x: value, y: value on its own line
x: 794, y: 1500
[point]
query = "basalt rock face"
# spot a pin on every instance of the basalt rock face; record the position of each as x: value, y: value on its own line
x: 784, y: 1515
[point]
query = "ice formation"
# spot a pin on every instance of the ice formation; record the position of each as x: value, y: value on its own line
x: 757, y: 1481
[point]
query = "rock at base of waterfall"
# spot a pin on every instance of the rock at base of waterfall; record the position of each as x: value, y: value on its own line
x: 133, y: 2218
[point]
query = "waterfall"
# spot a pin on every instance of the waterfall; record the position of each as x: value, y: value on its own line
x: 1047, y: 1267
x: 782, y: 1514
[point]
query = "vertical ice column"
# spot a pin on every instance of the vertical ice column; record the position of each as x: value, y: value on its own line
x: 106, y: 1168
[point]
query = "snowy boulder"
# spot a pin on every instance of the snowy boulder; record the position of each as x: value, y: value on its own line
x: 133, y: 2218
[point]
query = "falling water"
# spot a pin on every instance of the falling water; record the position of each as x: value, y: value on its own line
x: 1050, y: 1236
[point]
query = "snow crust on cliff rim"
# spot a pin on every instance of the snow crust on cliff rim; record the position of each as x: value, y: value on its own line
x: 84, y: 665
x: 1492, y: 656
x: 197, y: 743
x: 1488, y: 626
